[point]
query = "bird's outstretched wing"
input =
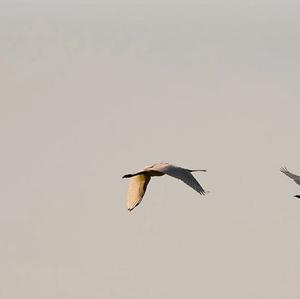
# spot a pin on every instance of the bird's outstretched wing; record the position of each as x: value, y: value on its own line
x: 295, y: 177
x: 137, y: 188
x: 183, y: 175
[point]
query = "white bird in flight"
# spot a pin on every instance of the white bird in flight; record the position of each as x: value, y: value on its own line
x: 139, y: 180
x: 295, y: 177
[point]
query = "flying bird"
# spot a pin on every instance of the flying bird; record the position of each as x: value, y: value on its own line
x: 295, y: 177
x: 139, y: 180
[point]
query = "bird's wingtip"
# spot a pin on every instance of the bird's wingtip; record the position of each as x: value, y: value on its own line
x: 283, y: 169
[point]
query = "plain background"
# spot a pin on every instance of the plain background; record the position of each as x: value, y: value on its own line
x: 91, y: 90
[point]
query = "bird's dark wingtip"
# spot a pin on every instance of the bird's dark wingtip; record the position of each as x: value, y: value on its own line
x: 205, y: 192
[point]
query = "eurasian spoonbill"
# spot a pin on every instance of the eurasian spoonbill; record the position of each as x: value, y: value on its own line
x: 295, y: 177
x: 139, y: 180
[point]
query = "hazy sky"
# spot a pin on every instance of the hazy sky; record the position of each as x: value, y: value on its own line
x: 93, y: 90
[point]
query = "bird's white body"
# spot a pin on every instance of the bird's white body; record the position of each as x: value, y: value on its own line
x: 139, y: 181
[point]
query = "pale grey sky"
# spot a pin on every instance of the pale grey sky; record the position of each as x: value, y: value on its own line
x: 92, y: 90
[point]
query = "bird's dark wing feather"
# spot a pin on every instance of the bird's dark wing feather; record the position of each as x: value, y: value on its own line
x: 183, y: 175
x: 295, y: 177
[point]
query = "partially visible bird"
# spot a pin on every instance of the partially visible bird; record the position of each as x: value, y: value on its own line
x: 295, y: 177
x: 139, y: 180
